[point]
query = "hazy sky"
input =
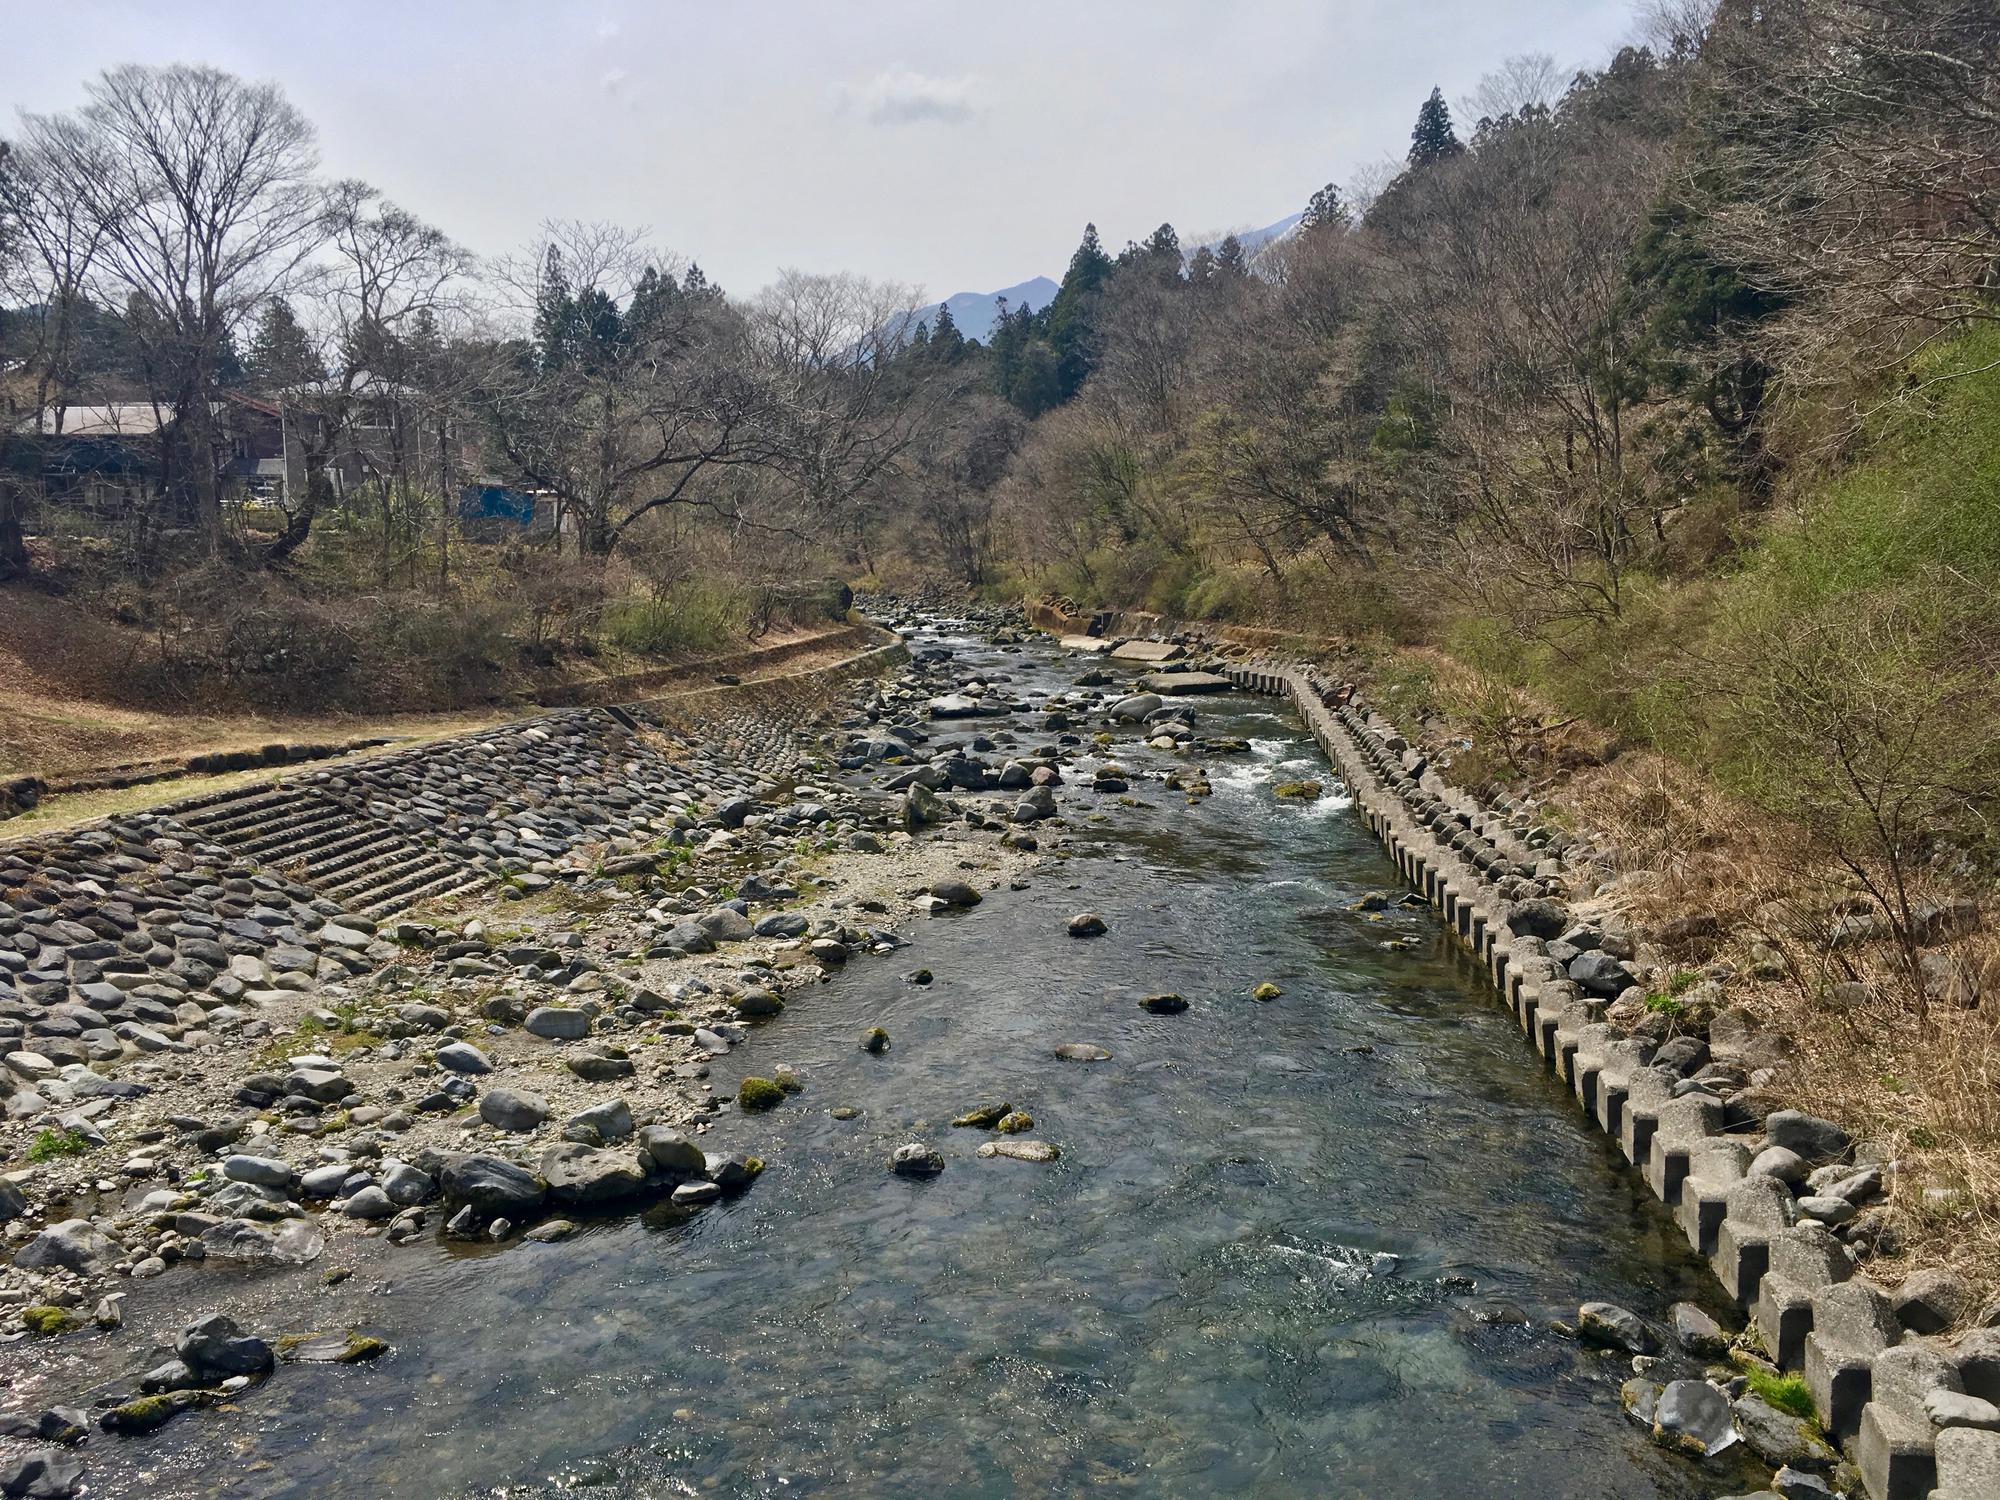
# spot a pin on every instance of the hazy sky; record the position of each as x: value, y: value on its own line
x: 958, y: 146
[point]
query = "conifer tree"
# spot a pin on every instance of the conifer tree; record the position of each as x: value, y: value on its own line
x: 1433, y: 140
x: 281, y: 356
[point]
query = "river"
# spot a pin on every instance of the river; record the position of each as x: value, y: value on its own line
x: 1304, y: 1246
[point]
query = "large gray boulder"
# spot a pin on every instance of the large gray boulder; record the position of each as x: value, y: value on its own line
x: 491, y: 1187
x: 581, y: 1175
x: 512, y: 1109
x: 214, y: 1348
x: 74, y: 1245
x: 557, y: 1023
x: 671, y: 1153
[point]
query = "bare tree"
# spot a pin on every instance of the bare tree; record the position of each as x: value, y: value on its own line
x: 375, y: 295
x: 1849, y: 167
x: 56, y: 239
x: 200, y: 189
x: 1528, y: 83
x: 632, y: 388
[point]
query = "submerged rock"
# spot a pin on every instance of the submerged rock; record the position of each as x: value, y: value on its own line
x: 1016, y: 1150
x: 1164, y: 1005
x: 1083, y: 1052
x: 916, y: 1160
x: 1693, y: 1417
x: 1086, y: 924
x: 1612, y: 1327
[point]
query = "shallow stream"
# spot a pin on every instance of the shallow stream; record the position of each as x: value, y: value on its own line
x: 1308, y: 1246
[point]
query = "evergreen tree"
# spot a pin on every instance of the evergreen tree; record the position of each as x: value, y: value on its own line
x: 1201, y: 269
x: 1072, y: 316
x: 653, y: 299
x: 281, y: 357
x: 696, y: 286
x: 1433, y: 140
x: 1230, y: 261
x: 555, y: 315
x: 1326, y: 210
x: 947, y: 343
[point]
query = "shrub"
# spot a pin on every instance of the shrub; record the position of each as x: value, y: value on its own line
x: 50, y: 1144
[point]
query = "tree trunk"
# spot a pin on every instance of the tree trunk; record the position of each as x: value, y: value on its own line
x: 13, y: 543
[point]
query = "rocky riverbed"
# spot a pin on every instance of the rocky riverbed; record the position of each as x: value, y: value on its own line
x: 634, y: 1130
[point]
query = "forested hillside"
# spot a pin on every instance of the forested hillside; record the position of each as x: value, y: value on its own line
x: 1666, y: 392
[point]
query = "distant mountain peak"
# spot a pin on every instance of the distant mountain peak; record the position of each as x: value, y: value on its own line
x: 975, y: 313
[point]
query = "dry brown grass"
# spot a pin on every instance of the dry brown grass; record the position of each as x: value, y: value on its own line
x: 1924, y: 1081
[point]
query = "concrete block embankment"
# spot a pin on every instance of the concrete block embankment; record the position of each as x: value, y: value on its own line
x: 1763, y: 1221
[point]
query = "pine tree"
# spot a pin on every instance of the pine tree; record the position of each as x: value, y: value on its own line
x: 1230, y: 261
x: 947, y: 343
x: 1433, y: 140
x: 555, y: 315
x: 1072, y: 316
x: 1326, y: 210
x: 281, y: 357
x: 1201, y: 269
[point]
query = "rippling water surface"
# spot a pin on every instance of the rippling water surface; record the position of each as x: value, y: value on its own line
x: 1198, y: 1299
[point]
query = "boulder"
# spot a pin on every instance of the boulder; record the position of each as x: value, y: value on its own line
x: 41, y: 1474
x: 512, y: 1109
x: 1609, y: 1326
x: 1694, y: 1418
x: 915, y: 1159
x: 491, y: 1187
x: 214, y: 1348
x: 75, y: 1245
x: 557, y: 1023
x: 1812, y: 1138
x: 609, y: 1121
x: 581, y: 1175
x: 671, y: 1153
x: 463, y: 1058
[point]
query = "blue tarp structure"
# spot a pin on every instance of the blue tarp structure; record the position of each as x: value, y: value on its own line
x: 495, y: 502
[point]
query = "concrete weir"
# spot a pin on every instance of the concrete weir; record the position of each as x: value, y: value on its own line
x: 1868, y: 1378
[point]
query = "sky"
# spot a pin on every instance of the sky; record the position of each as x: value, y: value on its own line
x: 946, y: 146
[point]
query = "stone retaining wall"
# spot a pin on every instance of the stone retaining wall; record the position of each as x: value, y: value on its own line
x: 1869, y: 1370
x: 134, y: 931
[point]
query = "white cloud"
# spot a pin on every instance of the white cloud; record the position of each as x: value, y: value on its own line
x: 608, y: 30
x: 908, y: 98
x: 614, y: 80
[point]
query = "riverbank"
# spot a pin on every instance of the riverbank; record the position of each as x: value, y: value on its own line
x: 643, y: 1070
x: 1320, y: 1160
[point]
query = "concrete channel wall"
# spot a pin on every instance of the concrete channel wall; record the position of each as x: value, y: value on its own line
x: 1868, y: 1376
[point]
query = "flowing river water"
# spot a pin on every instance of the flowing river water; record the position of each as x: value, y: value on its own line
x: 1198, y: 1299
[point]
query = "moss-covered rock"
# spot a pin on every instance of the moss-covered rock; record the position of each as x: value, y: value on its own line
x: 875, y: 1040
x: 44, y: 1318
x: 984, y: 1116
x: 1298, y: 791
x: 1266, y: 991
x: 1015, y: 1122
x: 360, y: 1348
x: 146, y: 1413
x: 1164, y: 1005
x: 759, y: 1093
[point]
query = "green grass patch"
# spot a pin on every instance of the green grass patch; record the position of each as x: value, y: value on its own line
x: 1787, y: 1392
x: 51, y: 1144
